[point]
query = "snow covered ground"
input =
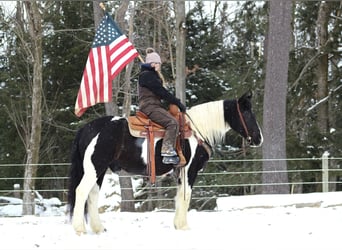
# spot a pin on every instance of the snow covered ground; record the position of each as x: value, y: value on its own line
x: 265, y: 222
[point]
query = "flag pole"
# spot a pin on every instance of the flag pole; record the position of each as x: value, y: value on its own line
x: 104, y: 9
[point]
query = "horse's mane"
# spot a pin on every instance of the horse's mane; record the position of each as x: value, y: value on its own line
x: 207, y: 120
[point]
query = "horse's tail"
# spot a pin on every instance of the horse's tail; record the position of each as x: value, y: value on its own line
x: 75, y: 173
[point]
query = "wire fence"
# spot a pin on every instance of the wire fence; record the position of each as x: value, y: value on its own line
x: 219, y: 179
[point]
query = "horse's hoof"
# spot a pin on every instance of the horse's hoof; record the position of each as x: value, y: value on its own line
x: 79, y: 233
x: 185, y: 228
x: 80, y: 230
x: 101, y: 231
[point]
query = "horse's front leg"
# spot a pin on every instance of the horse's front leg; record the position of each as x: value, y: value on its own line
x: 94, y: 217
x: 182, y: 201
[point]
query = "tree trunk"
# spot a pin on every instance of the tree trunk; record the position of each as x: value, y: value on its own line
x: 322, y: 67
x: 98, y: 15
x: 180, y: 50
x: 127, y: 198
x: 274, y: 116
x: 35, y: 33
x: 126, y: 109
x: 112, y: 108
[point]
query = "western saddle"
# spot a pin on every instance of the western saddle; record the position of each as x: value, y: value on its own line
x: 141, y: 126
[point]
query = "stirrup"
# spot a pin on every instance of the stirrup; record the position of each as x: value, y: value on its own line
x: 169, y: 153
x: 171, y: 160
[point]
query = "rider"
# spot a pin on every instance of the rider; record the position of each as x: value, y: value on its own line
x: 151, y: 92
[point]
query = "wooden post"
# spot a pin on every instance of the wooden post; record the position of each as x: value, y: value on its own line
x: 325, y: 172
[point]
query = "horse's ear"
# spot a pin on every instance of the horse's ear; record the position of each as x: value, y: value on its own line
x: 248, y: 95
x: 245, y: 99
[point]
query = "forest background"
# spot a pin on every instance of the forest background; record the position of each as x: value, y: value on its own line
x: 226, y: 49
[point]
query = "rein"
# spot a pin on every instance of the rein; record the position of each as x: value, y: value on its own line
x: 248, y: 138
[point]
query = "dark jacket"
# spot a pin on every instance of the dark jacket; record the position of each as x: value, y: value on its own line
x: 151, y: 90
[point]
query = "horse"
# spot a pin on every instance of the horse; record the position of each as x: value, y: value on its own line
x: 106, y: 142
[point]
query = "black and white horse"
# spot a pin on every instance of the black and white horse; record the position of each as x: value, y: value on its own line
x: 106, y: 142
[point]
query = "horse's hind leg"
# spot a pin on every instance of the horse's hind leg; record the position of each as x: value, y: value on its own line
x: 82, y: 192
x: 83, y: 189
x: 182, y: 201
x: 95, y: 222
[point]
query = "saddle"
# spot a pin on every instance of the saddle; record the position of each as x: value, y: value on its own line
x: 141, y: 126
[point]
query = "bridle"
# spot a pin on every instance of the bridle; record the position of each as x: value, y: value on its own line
x: 248, y: 138
x: 243, y: 122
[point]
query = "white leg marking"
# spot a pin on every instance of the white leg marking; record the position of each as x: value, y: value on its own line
x: 82, y: 191
x: 94, y: 218
x: 183, y: 196
x: 182, y: 201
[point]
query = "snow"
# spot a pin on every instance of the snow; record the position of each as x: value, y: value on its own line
x: 265, y: 222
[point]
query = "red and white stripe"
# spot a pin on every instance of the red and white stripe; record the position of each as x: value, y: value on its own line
x: 103, y: 65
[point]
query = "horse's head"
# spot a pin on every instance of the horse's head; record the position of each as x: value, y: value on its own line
x: 244, y: 121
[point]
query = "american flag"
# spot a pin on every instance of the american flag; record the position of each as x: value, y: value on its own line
x: 111, y: 51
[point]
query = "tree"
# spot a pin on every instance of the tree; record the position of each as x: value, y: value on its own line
x: 112, y: 108
x: 205, y: 57
x: 35, y: 33
x: 127, y: 203
x: 274, y: 117
x: 304, y: 137
x: 322, y: 67
x: 180, y: 50
x: 223, y: 56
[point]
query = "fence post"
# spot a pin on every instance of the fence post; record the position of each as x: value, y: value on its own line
x: 16, y: 190
x: 325, y: 172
